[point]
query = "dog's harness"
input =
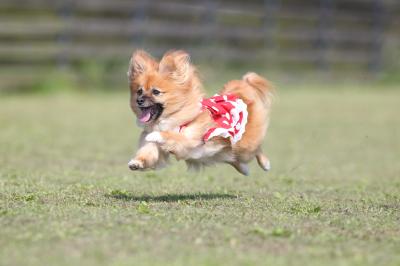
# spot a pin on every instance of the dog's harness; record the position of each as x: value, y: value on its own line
x: 229, y: 113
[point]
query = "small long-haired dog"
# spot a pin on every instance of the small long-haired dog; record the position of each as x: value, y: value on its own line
x: 168, y: 100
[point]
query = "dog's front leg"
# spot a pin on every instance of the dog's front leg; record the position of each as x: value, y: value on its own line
x: 173, y: 142
x: 148, y: 156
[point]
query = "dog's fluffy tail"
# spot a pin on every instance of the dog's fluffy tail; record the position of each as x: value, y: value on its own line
x: 258, y: 95
x: 262, y: 87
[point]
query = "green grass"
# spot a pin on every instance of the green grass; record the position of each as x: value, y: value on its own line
x: 331, y: 198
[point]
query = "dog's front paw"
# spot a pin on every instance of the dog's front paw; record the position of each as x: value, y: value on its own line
x: 155, y: 137
x: 135, y: 165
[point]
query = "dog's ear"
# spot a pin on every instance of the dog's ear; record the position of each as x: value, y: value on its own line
x: 140, y: 63
x: 176, y: 65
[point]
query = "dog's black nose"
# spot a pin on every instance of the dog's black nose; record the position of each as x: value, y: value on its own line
x: 140, y: 101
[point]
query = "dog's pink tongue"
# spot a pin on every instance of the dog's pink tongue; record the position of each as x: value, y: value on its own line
x: 145, y: 117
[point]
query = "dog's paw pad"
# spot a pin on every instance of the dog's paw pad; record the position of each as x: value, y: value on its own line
x: 135, y: 165
x: 155, y: 137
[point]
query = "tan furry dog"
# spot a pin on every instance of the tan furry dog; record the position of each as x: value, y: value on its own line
x: 168, y: 100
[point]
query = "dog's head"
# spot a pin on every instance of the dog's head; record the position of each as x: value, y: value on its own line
x: 159, y: 90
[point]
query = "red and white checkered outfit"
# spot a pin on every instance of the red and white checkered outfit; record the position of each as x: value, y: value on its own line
x: 229, y: 113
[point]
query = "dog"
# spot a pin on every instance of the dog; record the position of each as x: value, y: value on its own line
x: 169, y: 102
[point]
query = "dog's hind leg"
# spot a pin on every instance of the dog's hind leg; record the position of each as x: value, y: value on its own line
x: 263, y: 161
x: 242, y: 168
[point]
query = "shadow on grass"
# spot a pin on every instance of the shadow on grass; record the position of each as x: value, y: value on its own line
x: 122, y: 195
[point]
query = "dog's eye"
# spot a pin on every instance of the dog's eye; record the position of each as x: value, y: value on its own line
x: 156, y: 92
x: 140, y: 91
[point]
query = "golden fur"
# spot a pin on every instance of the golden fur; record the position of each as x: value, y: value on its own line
x: 179, y: 92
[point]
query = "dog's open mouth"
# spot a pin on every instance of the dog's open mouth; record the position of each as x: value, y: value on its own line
x: 150, y: 113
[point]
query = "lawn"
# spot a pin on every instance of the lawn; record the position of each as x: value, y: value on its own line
x: 331, y: 198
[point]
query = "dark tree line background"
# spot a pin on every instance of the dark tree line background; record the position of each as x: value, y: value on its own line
x: 96, y: 37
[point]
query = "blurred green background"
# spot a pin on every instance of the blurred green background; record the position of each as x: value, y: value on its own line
x: 84, y: 45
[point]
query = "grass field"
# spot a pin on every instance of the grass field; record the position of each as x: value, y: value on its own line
x: 331, y: 198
